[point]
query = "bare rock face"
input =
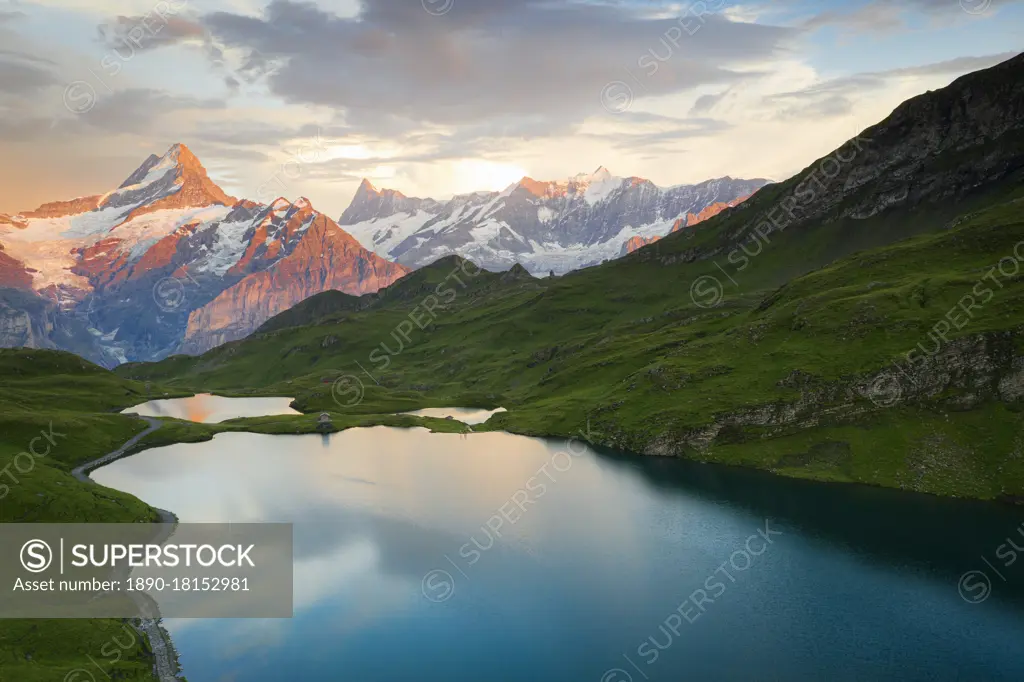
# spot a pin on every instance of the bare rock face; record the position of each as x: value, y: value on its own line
x: 690, y: 220
x: 936, y: 147
x: 901, y: 163
x: 21, y: 327
x: 369, y: 203
x: 963, y: 373
x: 921, y: 166
x: 709, y: 211
x: 637, y: 243
x: 57, y: 209
x: 325, y: 258
x: 13, y: 273
x: 33, y: 321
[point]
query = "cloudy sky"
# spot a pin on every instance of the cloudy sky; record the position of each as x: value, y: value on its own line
x: 437, y: 97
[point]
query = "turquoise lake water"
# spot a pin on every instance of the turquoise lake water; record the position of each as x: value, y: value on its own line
x: 499, y: 558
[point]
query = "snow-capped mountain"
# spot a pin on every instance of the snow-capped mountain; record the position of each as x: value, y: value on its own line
x: 167, y: 262
x: 690, y: 221
x: 559, y: 226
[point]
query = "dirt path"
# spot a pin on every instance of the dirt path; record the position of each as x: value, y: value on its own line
x: 163, y: 650
x: 80, y: 472
x: 159, y: 641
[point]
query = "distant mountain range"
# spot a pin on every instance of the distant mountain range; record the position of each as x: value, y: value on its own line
x: 168, y: 262
x: 543, y: 225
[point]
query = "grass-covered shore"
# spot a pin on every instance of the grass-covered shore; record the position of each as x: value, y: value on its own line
x: 66, y: 411
x: 809, y: 378
x: 58, y: 411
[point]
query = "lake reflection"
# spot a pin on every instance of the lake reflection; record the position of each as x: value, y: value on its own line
x: 438, y: 557
x: 211, y: 409
x: 466, y: 415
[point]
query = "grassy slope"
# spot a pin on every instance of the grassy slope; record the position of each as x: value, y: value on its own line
x: 625, y: 347
x: 75, y: 403
x: 43, y: 388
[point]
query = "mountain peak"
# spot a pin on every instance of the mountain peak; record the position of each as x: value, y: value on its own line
x: 182, y: 155
x: 178, y: 158
x: 369, y: 203
x: 534, y: 187
x: 367, y: 190
x: 175, y: 180
x: 516, y: 272
x: 141, y: 172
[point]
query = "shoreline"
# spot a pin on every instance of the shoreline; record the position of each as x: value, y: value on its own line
x: 303, y: 422
x: 166, y: 667
x: 165, y: 656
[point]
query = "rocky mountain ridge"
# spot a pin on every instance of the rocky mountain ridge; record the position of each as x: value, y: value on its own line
x: 691, y: 220
x: 933, y: 152
x: 544, y: 225
x: 134, y: 268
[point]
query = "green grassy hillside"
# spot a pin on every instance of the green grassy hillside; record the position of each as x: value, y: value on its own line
x: 63, y: 409
x: 762, y: 377
x: 779, y: 334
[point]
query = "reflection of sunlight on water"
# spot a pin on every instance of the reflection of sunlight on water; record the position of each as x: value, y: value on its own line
x: 381, y: 480
x: 197, y: 409
x: 210, y: 409
x: 466, y: 415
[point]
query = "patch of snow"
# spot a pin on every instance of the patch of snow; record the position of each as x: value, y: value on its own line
x: 457, y: 214
x: 49, y: 245
x: 166, y: 165
x: 490, y: 229
x: 108, y: 336
x: 493, y: 205
x: 280, y: 208
x: 140, y: 233
x: 118, y: 354
x: 380, y: 235
x: 601, y: 186
x: 508, y: 190
x: 305, y: 225
x: 228, y: 248
x: 551, y: 255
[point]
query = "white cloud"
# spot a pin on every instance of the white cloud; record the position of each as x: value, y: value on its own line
x: 472, y: 100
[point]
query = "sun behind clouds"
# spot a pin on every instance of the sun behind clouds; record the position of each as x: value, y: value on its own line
x: 473, y: 175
